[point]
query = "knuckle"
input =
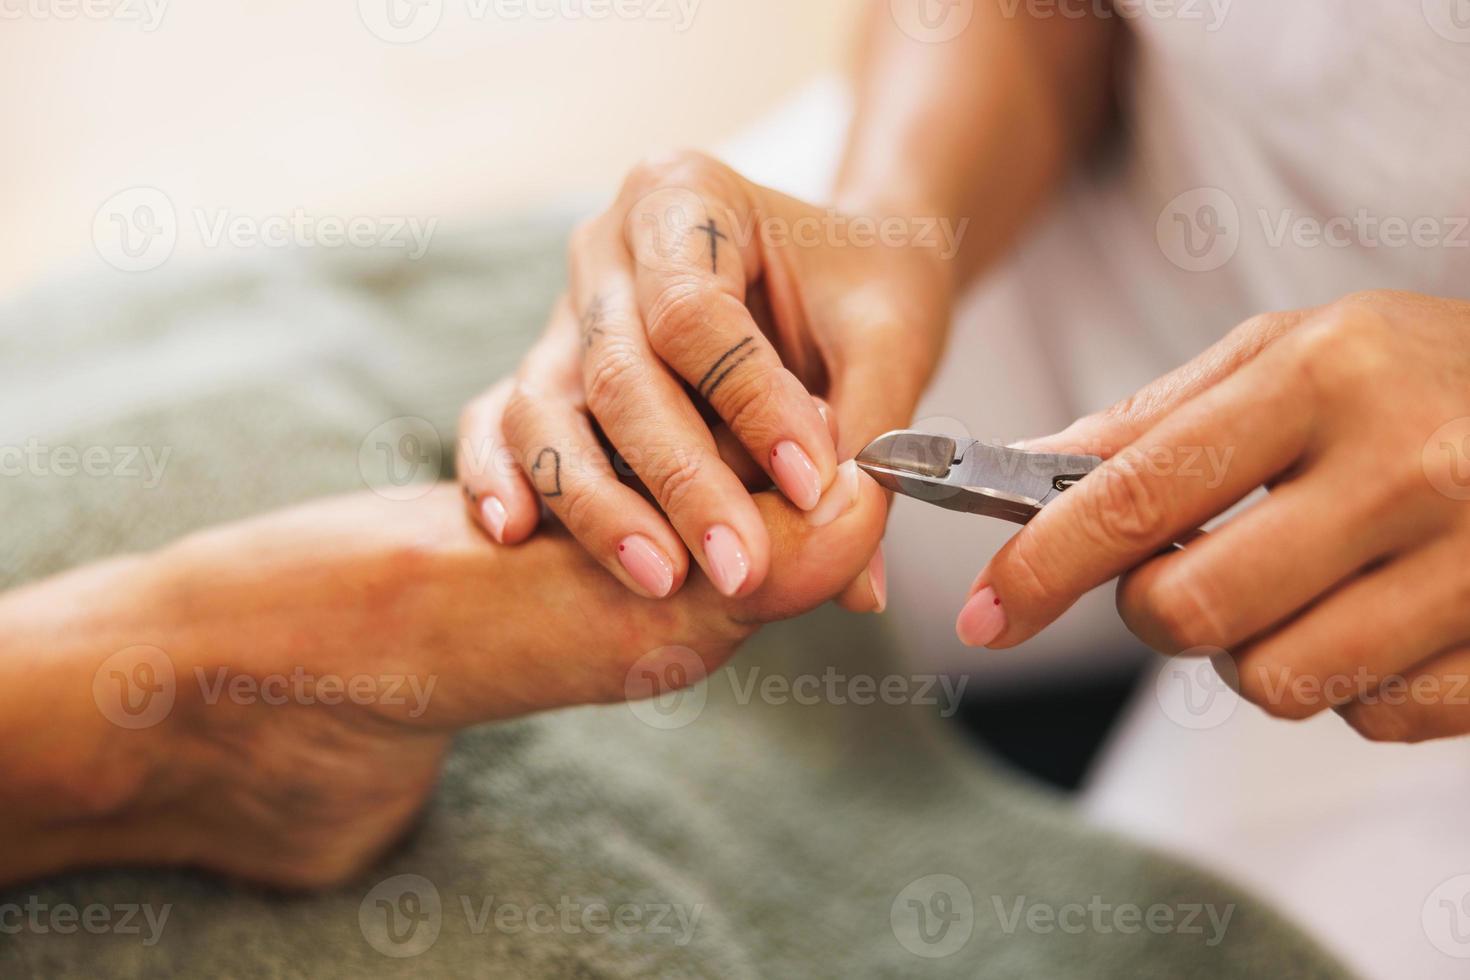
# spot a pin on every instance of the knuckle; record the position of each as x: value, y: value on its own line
x: 1347, y: 349
x: 474, y: 420
x: 1255, y: 334
x: 1368, y: 299
x: 681, y: 306
x: 751, y: 406
x: 676, y: 167
x: 1184, y: 613
x: 616, y: 371
x: 1126, y: 409
x: 520, y: 412
x: 1274, y: 687
x: 1126, y: 505
x: 1380, y: 723
x: 581, y: 501
x: 579, y: 241
x: 1402, y: 493
x: 481, y: 415
x: 677, y: 478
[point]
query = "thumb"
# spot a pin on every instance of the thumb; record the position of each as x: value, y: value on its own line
x: 869, y: 399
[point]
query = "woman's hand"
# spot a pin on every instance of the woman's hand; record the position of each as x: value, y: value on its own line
x: 699, y: 296
x: 273, y: 698
x: 1347, y: 586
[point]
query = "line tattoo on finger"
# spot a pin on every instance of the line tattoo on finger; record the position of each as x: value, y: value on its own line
x: 729, y: 361
x: 546, y: 473
x: 715, y: 235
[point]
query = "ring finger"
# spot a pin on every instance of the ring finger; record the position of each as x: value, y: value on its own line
x: 655, y: 428
x: 559, y: 451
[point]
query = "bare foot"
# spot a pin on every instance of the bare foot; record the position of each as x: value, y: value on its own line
x: 321, y: 658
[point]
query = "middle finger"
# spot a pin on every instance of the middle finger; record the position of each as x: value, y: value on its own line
x: 651, y: 422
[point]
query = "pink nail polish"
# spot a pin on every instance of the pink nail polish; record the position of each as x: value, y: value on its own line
x: 878, y: 579
x: 982, y: 619
x: 493, y: 512
x: 727, y: 562
x: 647, y: 564
x: 796, y: 475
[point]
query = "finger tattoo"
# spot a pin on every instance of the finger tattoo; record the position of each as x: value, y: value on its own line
x: 592, y: 321
x: 715, y: 235
x: 546, y: 473
x: 721, y: 369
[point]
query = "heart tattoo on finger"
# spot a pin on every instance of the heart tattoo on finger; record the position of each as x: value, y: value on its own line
x: 546, y: 473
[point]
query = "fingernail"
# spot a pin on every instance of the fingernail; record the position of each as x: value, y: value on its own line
x: 647, y: 564
x: 982, y: 619
x: 878, y: 579
x: 727, y: 561
x: 840, y: 496
x: 796, y: 474
x: 825, y: 411
x: 493, y: 511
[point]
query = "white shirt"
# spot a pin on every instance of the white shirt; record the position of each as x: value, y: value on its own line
x: 1279, y: 154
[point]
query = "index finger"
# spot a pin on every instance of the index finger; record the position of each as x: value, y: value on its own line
x: 1191, y: 466
x: 686, y: 228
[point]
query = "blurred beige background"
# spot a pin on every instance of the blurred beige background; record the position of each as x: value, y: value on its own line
x: 263, y: 107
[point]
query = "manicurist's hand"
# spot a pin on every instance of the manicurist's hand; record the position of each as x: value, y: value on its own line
x: 1346, y: 586
x: 703, y: 315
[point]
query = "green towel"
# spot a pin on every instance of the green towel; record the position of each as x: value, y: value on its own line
x: 752, y: 837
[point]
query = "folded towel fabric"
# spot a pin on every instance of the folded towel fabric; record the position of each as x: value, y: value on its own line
x: 750, y: 830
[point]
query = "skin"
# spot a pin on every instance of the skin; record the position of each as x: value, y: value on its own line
x: 692, y: 261
x: 1355, y: 416
x: 342, y: 588
x: 1340, y: 410
x: 981, y: 128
